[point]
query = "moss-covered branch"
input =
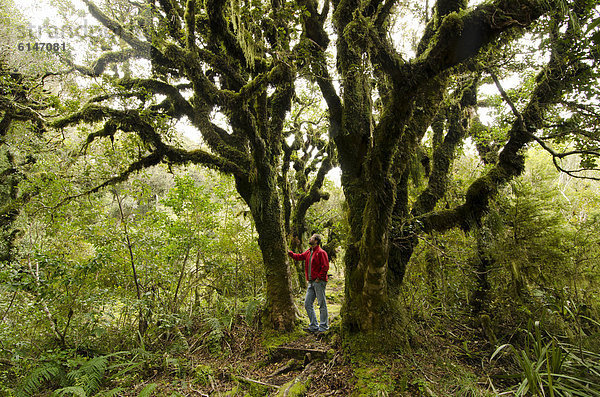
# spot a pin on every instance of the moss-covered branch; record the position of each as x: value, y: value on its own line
x: 190, y: 24
x: 459, y: 118
x: 556, y: 78
x: 172, y: 19
x: 229, y: 146
x: 383, y: 11
x: 140, y: 48
x: 131, y: 121
x: 91, y: 113
x: 234, y: 79
x: 118, y: 29
x: 220, y: 32
x: 278, y: 75
x: 15, y: 110
x: 184, y: 107
x: 281, y: 102
x: 461, y: 36
x: 104, y: 61
x: 313, y: 194
x: 316, y: 42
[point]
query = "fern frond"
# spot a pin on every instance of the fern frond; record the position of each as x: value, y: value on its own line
x: 35, y: 380
x: 90, y: 374
x: 126, y: 367
x: 147, y: 391
x: 251, y: 311
x: 68, y: 391
x: 216, y: 333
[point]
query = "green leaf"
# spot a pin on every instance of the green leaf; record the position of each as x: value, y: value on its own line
x: 147, y: 391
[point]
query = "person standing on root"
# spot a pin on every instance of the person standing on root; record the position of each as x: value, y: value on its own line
x: 316, y: 265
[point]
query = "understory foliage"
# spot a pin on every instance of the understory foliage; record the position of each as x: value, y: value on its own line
x: 526, y: 279
x: 551, y: 367
x: 145, y: 265
x: 198, y: 270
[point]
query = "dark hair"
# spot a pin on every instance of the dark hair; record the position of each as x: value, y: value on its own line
x: 318, y: 238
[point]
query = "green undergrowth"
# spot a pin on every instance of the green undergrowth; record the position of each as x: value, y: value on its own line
x: 373, y: 380
x: 429, y: 353
x: 440, y: 358
x: 373, y: 364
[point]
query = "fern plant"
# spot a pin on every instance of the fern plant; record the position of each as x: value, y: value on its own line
x: 118, y: 391
x: 85, y: 380
x: 219, y: 322
x: 147, y: 391
x: 216, y: 333
x: 90, y: 375
x: 49, y: 372
x: 252, y: 310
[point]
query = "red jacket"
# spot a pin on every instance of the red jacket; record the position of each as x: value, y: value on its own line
x: 320, y: 262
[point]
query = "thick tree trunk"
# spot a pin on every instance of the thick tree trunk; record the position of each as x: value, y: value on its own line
x: 267, y: 213
x: 353, y: 269
x: 280, y: 303
x: 367, y: 306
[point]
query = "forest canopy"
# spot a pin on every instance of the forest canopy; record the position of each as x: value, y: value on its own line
x: 159, y: 158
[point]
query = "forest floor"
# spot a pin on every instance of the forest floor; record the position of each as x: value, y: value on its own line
x: 440, y: 357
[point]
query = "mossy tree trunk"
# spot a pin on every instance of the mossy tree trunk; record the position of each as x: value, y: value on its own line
x: 210, y: 58
x: 378, y: 143
x: 267, y: 213
x: 20, y: 106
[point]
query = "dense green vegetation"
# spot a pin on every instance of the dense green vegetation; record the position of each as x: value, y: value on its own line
x: 73, y: 315
x: 154, y: 174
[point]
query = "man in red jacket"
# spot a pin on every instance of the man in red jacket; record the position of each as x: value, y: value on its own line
x: 316, y: 265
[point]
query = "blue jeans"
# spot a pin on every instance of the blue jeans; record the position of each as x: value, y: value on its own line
x: 316, y: 289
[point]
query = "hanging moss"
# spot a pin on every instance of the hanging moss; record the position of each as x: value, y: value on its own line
x: 247, y: 42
